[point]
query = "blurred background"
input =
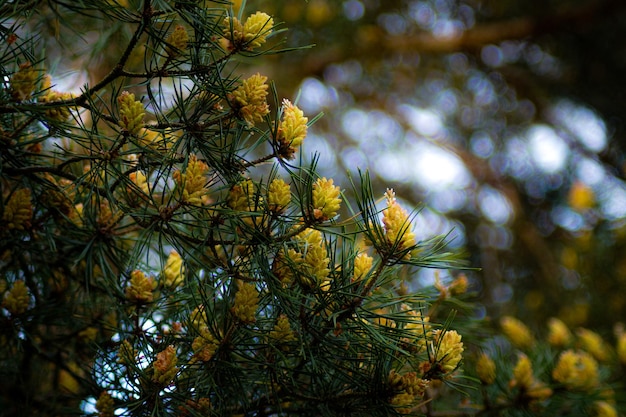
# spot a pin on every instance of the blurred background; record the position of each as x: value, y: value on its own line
x: 506, y: 118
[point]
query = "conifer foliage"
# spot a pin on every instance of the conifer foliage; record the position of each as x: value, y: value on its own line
x: 165, y: 249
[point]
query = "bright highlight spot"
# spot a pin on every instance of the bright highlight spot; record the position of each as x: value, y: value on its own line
x: 547, y: 149
x: 494, y: 205
x: 434, y: 167
x: 589, y: 129
x: 425, y: 164
x: 423, y: 121
x: 315, y: 96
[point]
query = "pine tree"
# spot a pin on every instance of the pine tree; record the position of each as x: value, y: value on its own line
x: 166, y: 248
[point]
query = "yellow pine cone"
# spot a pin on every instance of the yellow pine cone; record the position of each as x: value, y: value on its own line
x: 59, y: 195
x: 18, y: 211
x: 141, y: 181
x: 605, y: 409
x: 23, y: 82
x: 285, y: 264
x: 539, y: 391
x: 108, y: 216
x: 576, y: 370
x: 174, y: 270
x: 326, y: 200
x: 60, y: 113
x: 141, y: 288
x: 198, y: 318
x: 558, y: 333
x: 593, y: 343
x: 282, y: 331
x: 317, y: 261
x: 456, y: 287
x: 524, y: 379
x: 233, y: 32
x: 246, y: 303
x: 418, y: 327
x: 250, y: 99
x: 517, y: 332
x: 241, y: 197
x: 292, y: 130
x: 459, y: 285
x: 177, y: 41
x: 403, y: 402
x: 158, y: 140
x: 450, y: 349
x: 256, y: 29
x: 193, y: 182
x: 16, y: 300
x: 278, y: 195
x: 381, y: 318
x: 398, y: 231
x: 204, y: 346
x: 126, y: 354
x: 395, y: 381
x: 310, y: 237
x: 165, y: 366
x: 409, y: 389
x: 523, y: 376
x: 105, y: 405
x: 249, y: 35
x: 131, y: 113
x: 414, y: 385
x: 362, y: 265
x: 486, y: 369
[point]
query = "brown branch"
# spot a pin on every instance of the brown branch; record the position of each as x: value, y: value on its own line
x: 575, y: 19
x: 260, y: 160
x: 572, y: 19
